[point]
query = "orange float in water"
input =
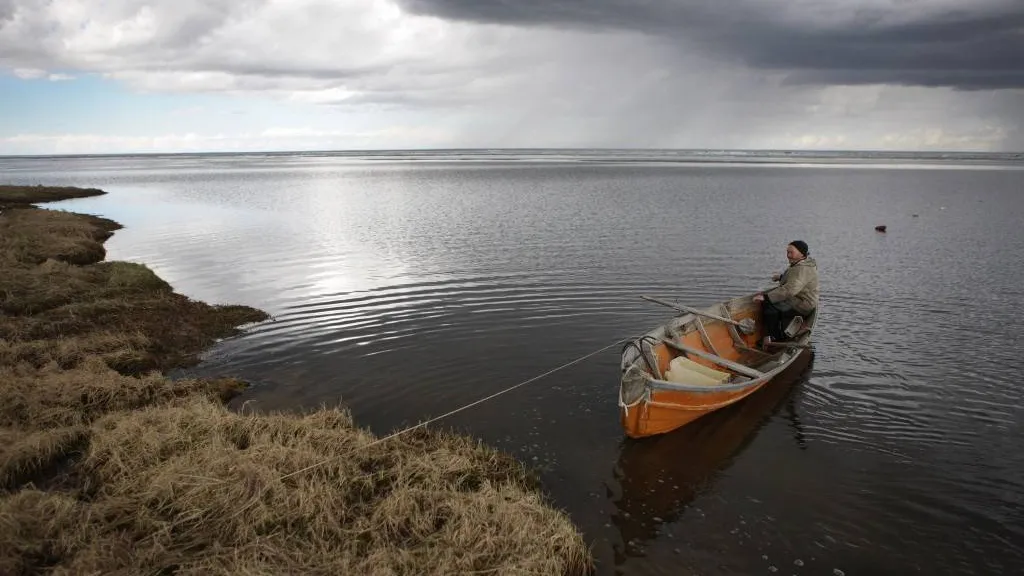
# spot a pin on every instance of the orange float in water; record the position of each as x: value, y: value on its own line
x: 700, y: 362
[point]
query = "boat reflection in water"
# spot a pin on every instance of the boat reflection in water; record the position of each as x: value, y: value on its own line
x: 659, y: 476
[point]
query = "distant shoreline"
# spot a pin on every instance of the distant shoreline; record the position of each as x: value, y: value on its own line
x: 760, y: 154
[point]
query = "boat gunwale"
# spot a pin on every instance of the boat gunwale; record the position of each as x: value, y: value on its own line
x: 654, y: 383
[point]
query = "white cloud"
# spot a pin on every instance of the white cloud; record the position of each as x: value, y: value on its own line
x: 324, y: 96
x: 283, y: 138
x: 36, y: 73
x: 226, y: 45
x: 29, y: 73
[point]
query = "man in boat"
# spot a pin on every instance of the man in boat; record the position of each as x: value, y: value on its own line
x: 796, y: 294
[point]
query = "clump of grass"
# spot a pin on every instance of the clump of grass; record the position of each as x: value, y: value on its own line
x: 38, y: 530
x: 52, y: 397
x: 10, y: 194
x: 26, y: 456
x: 106, y: 466
x: 125, y: 352
x: 192, y: 488
x: 28, y: 290
x: 32, y: 235
x: 135, y: 334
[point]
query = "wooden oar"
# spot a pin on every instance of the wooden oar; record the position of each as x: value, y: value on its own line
x: 747, y: 326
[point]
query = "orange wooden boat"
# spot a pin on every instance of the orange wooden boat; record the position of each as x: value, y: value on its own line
x: 699, y: 362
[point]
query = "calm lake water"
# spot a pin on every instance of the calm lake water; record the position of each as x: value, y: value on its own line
x: 405, y: 285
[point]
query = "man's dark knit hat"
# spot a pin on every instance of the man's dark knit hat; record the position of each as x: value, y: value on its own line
x: 801, y: 246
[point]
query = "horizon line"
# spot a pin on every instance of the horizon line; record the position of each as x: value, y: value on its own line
x: 520, y: 149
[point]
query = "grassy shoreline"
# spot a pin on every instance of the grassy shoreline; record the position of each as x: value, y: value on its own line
x: 106, y: 466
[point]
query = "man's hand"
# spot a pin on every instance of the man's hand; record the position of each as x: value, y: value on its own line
x: 759, y: 298
x: 776, y: 277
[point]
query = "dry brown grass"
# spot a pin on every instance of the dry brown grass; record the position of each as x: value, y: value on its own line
x: 50, y: 397
x: 12, y: 195
x: 107, y: 467
x: 191, y: 488
x: 37, y: 456
x: 31, y: 289
x: 30, y: 235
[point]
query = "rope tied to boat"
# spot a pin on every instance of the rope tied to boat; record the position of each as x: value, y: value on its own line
x: 459, y: 409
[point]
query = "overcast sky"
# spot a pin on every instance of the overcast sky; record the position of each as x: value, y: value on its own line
x: 82, y: 76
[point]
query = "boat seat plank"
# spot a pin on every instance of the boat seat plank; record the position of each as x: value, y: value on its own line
x: 734, y: 366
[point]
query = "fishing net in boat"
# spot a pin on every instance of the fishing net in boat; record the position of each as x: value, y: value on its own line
x: 633, y: 386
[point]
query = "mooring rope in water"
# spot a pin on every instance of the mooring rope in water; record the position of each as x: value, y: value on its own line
x: 460, y: 409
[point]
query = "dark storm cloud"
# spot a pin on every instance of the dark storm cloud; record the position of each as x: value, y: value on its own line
x: 978, y: 45
x: 6, y: 10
